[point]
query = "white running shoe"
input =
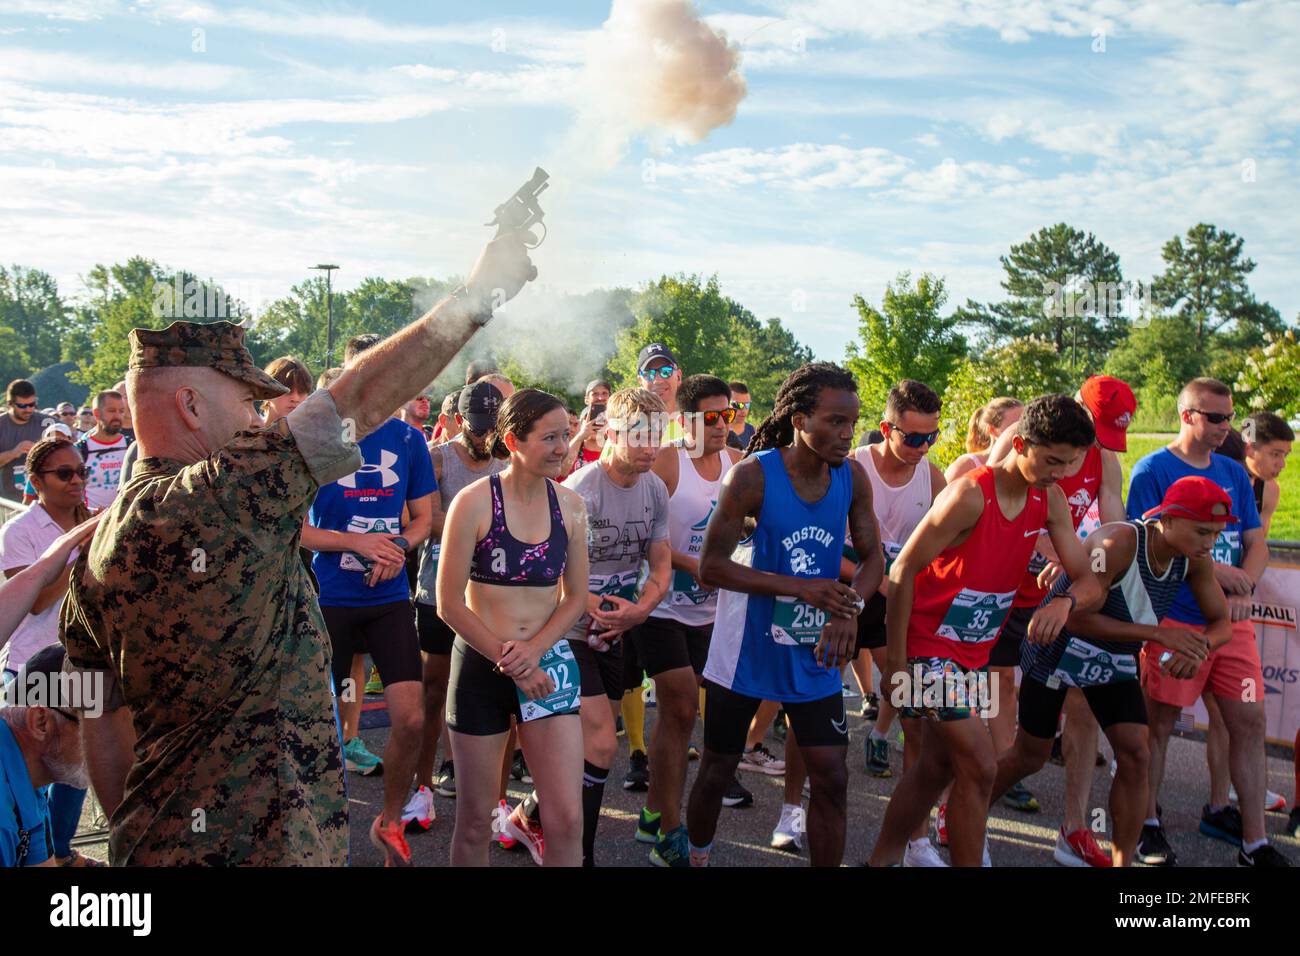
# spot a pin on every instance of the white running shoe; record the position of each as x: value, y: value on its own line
x: 789, y: 831
x: 922, y: 853
x: 1272, y: 801
x: 500, y: 814
x: 762, y: 760
x: 419, y: 814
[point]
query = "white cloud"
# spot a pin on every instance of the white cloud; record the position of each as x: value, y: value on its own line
x: 64, y: 69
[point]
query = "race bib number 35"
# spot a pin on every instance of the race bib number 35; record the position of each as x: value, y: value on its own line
x: 796, y: 622
x: 975, y: 617
x: 562, y: 669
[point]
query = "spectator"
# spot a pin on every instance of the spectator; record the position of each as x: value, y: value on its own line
x: 448, y: 427
x: 20, y: 429
x: 478, y: 368
x: 294, y: 376
x: 59, y: 477
x: 85, y: 419
x: 597, y: 392
x: 741, y: 430
x: 503, y: 384
x: 40, y: 745
x: 1268, y: 445
x: 66, y: 413
x: 104, y: 449
x: 416, y: 414
x: 128, y: 427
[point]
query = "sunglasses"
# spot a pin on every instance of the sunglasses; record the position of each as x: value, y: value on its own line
x: 663, y: 371
x: 1214, y: 418
x: 727, y: 415
x: 740, y: 406
x: 915, y: 439
x: 65, y: 472
x: 24, y: 404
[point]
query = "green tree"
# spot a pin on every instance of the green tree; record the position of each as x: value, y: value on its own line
x: 1270, y: 377
x: 905, y: 338
x: 1204, y: 284
x: 1064, y: 286
x: 31, y: 306
x: 1023, y: 369
x: 1158, y: 351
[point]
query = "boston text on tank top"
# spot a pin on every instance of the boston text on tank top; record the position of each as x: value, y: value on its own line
x: 456, y: 476
x: 501, y: 558
x: 1080, y: 490
x: 762, y: 646
x: 963, y: 596
x: 1138, y: 596
x: 689, y: 508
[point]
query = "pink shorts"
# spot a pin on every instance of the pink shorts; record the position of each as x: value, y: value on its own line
x: 1233, y: 670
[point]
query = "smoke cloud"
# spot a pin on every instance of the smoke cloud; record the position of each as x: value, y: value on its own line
x: 656, y: 69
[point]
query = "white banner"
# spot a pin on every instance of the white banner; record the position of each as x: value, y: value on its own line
x: 1275, y: 614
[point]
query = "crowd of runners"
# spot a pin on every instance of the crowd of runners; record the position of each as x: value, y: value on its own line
x: 517, y: 578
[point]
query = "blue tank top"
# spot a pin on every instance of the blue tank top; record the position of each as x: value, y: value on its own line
x: 763, y: 646
x: 502, y: 559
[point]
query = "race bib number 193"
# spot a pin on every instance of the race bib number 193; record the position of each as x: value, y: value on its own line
x: 562, y: 669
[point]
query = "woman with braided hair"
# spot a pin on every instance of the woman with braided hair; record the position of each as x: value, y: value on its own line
x: 785, y: 624
x: 58, y: 476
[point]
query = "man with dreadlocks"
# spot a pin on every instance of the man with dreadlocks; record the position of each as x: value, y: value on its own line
x: 785, y: 624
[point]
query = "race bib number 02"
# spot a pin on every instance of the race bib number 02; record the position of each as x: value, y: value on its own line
x: 562, y: 669
x: 1082, y: 665
x: 975, y: 617
x: 796, y: 622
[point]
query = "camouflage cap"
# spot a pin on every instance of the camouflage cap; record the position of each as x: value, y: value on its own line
x: 217, y: 345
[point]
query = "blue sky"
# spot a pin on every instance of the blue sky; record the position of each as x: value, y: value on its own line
x: 874, y: 137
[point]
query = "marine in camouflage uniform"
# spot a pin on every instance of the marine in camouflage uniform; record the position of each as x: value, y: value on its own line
x: 192, y: 601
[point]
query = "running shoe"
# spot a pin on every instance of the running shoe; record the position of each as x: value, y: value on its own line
x: 1079, y: 849
x: 445, y: 785
x: 1019, y: 798
x: 779, y: 729
x: 1223, y: 824
x: 922, y: 853
x: 941, y: 825
x: 788, y: 835
x: 361, y: 761
x: 672, y: 850
x: 692, y: 751
x: 637, y: 777
x: 1273, y: 802
x: 374, y: 685
x: 762, y: 760
x: 647, y: 827
x: 876, y: 750
x: 1265, y: 855
x: 499, y: 817
x: 898, y: 742
x: 418, y: 814
x: 847, y: 692
x: 737, y: 796
x: 1293, y: 822
x: 524, y: 831
x: 392, y: 840
x: 1153, y: 847
x: 870, y: 707
x: 519, y: 769
x: 648, y: 693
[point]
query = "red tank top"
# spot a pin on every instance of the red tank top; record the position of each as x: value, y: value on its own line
x: 964, y: 595
x: 1080, y: 490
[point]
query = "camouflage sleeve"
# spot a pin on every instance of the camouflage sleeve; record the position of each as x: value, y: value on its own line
x: 84, y: 655
x: 320, y: 436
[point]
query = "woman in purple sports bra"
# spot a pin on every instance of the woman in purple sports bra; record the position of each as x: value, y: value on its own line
x: 508, y: 543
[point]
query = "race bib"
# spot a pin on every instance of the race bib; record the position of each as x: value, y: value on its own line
x: 796, y: 622
x: 20, y: 477
x: 435, y: 551
x: 350, y: 561
x: 975, y: 617
x: 892, y: 550
x: 687, y: 590
x: 562, y: 669
x: 1037, y: 562
x: 1082, y: 665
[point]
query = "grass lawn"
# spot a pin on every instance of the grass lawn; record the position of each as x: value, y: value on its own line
x: 1286, y: 523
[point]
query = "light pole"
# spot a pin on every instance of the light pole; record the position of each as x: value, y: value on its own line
x: 329, y: 307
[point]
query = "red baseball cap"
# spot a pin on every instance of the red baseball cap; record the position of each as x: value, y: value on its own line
x: 1196, y: 498
x: 1112, y: 405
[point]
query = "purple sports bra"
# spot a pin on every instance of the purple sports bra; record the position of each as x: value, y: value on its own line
x: 502, y: 559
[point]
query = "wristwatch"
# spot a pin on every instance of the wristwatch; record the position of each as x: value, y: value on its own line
x: 1069, y: 597
x: 480, y: 309
x: 401, y: 542
x: 861, y: 602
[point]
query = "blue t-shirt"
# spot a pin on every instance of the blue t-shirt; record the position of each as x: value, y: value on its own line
x: 1153, y: 475
x: 24, y: 814
x: 397, y: 468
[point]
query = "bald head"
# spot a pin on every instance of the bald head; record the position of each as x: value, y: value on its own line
x: 187, y: 414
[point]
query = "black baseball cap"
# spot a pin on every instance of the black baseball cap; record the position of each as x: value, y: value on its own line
x: 654, y: 352
x: 478, y: 405
x: 596, y: 383
x: 48, y: 663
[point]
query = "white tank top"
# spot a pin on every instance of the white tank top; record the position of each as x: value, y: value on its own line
x: 689, y: 509
x: 898, y: 510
